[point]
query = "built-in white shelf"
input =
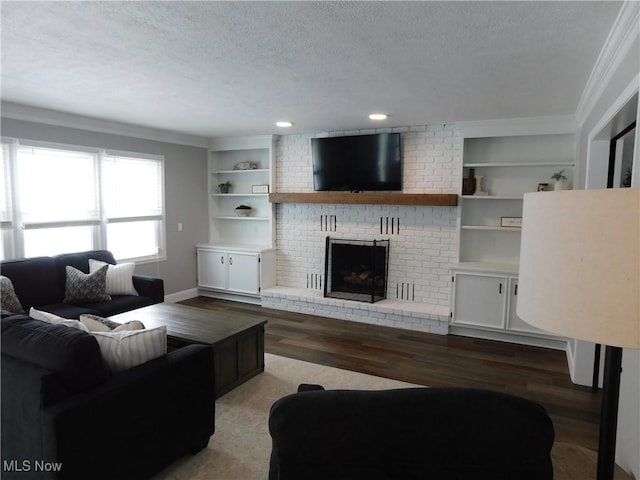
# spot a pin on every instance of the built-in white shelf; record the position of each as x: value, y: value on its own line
x: 244, y: 219
x: 225, y: 154
x: 492, y: 197
x: 518, y: 164
x: 239, y: 194
x: 510, y: 166
x: 495, y: 267
x: 254, y: 170
x: 490, y: 227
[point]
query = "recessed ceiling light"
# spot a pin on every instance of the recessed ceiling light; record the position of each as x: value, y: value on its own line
x: 284, y: 124
x: 378, y: 116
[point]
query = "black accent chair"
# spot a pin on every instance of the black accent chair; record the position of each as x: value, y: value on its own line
x: 416, y: 433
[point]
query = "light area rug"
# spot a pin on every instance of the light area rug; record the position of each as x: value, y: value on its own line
x: 241, y: 445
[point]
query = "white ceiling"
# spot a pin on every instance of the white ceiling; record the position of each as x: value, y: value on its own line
x: 234, y: 68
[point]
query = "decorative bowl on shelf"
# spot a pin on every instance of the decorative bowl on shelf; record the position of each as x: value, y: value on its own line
x: 243, y: 211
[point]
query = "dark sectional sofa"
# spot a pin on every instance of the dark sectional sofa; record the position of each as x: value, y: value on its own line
x: 65, y: 415
x: 39, y: 282
x: 61, y: 406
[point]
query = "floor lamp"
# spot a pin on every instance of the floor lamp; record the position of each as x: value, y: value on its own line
x: 579, y: 278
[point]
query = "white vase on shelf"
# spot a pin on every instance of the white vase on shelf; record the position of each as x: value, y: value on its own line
x: 560, y: 185
x: 479, y: 191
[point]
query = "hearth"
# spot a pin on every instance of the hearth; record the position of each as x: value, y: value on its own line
x: 356, y: 269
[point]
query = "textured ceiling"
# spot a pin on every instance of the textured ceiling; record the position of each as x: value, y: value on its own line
x: 234, y: 68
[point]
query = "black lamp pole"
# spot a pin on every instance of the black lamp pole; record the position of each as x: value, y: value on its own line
x: 609, y: 413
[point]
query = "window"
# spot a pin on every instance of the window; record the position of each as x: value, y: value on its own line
x: 134, y: 205
x: 70, y: 199
x: 6, y: 217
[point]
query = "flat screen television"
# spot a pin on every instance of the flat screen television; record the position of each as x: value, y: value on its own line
x: 354, y: 163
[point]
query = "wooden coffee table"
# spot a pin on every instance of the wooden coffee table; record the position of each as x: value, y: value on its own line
x: 238, y: 345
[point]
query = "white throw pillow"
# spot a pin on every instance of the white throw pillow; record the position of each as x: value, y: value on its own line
x: 119, y: 277
x: 123, y: 350
x: 56, y: 320
x: 96, y: 323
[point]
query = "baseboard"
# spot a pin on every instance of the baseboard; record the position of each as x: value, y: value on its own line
x: 180, y: 296
x: 510, y: 337
x: 230, y: 296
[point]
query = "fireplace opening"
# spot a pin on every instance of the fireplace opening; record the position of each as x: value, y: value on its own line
x: 356, y: 269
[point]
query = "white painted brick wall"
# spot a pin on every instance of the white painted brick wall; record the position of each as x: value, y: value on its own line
x: 427, y: 242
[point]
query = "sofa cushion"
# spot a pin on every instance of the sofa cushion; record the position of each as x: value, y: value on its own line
x: 35, y: 281
x: 123, y: 350
x: 73, y: 354
x: 8, y: 297
x: 67, y: 310
x: 118, y: 304
x: 86, y: 287
x: 119, y: 277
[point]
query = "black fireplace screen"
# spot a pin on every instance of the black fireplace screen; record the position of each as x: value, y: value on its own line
x: 356, y: 269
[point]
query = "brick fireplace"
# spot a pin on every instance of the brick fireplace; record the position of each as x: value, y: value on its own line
x: 423, y: 239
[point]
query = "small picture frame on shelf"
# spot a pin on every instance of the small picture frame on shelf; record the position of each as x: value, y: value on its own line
x: 543, y: 187
x: 511, y: 222
x: 259, y: 188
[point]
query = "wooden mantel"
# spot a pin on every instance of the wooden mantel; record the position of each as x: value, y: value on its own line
x: 423, y: 199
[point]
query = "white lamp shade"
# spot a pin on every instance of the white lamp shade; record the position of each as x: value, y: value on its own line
x: 580, y: 265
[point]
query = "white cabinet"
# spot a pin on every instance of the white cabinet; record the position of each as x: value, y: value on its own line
x: 234, y: 271
x: 212, y: 268
x: 243, y: 272
x: 480, y: 300
x: 249, y: 186
x: 486, y: 302
x: 514, y: 322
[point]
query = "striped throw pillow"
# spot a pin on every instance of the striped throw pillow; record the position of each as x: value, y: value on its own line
x: 119, y: 277
x: 123, y: 350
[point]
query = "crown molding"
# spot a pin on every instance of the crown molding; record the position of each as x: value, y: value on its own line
x: 27, y: 113
x: 621, y: 37
x: 505, y: 127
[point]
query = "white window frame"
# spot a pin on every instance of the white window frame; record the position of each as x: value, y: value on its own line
x: 14, y: 246
x: 162, y: 230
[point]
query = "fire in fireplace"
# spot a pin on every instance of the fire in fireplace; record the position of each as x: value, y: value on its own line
x: 356, y: 269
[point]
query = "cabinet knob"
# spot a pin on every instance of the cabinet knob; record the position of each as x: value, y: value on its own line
x: 230, y: 260
x: 222, y: 259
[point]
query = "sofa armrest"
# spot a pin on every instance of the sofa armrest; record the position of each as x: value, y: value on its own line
x: 145, y: 417
x: 151, y: 287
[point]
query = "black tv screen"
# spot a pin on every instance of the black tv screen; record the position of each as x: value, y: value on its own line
x: 361, y: 162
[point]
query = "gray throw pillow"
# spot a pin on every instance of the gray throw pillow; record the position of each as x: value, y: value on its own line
x: 86, y: 287
x: 96, y: 323
x: 8, y: 298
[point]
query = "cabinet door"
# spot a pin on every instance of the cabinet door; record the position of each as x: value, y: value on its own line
x: 212, y: 268
x: 515, y: 323
x: 479, y: 300
x: 244, y: 272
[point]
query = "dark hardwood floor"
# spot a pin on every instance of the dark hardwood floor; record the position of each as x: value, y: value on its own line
x: 435, y: 360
